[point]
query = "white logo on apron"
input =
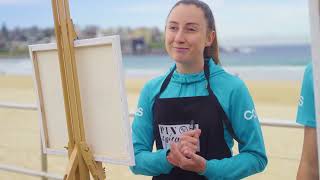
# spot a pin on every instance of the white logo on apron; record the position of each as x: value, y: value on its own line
x: 171, y: 133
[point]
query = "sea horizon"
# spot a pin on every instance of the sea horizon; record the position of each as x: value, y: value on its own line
x: 256, y: 62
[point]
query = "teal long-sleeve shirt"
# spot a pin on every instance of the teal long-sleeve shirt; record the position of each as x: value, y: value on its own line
x: 236, y: 101
x: 306, y: 114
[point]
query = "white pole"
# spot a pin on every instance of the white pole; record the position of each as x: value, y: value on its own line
x: 29, y: 172
x: 18, y: 106
x: 314, y: 12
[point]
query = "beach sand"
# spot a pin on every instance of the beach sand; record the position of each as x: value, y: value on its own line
x: 20, y: 139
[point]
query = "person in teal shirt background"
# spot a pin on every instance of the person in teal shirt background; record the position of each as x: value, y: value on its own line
x: 308, y: 168
x: 306, y: 110
x: 196, y: 89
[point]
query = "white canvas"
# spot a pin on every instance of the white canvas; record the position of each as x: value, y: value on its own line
x: 103, y: 99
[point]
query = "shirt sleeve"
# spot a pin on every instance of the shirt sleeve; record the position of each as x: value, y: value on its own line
x: 306, y: 110
x: 252, y: 156
x: 147, y: 162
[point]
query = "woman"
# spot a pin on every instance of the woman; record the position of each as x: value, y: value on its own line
x: 194, y: 112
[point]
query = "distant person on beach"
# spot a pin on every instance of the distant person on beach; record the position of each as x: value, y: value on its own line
x: 195, y: 111
x: 308, y: 168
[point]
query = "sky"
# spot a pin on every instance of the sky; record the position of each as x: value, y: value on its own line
x: 237, y: 21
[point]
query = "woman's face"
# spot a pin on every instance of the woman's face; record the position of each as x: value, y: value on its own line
x: 186, y: 34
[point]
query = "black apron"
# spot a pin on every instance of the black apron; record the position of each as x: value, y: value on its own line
x: 172, y: 116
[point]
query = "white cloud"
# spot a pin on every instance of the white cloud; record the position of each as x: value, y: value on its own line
x: 249, y: 20
x: 214, y: 3
x: 263, y: 20
x: 146, y: 8
x: 17, y: 2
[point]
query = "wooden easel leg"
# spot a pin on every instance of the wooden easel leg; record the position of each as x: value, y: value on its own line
x: 95, y: 167
x: 99, y: 166
x: 72, y: 166
x: 84, y: 172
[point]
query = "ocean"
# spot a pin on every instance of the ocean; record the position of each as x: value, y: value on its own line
x: 260, y: 62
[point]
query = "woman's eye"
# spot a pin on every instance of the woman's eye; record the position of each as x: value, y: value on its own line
x: 173, y: 28
x: 191, y: 29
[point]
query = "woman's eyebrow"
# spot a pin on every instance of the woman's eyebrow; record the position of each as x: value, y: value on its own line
x: 192, y: 24
x: 187, y: 24
x: 173, y: 22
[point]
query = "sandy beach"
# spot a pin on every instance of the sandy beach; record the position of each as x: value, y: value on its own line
x: 20, y: 139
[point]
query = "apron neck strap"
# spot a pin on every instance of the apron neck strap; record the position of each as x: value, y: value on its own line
x: 168, y: 78
x: 207, y: 75
x: 166, y: 81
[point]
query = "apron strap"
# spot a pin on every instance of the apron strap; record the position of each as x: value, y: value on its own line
x: 225, y: 119
x: 166, y: 82
x: 168, y: 78
x: 228, y: 125
x: 207, y: 75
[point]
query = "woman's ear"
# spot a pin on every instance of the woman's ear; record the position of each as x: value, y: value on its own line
x: 210, y: 39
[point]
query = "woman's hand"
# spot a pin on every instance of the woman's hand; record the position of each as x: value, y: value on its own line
x: 189, y: 142
x: 194, y: 163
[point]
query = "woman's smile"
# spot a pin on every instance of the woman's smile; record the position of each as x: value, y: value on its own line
x: 181, y: 49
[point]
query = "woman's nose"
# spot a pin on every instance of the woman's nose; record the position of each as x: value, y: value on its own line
x: 180, y: 37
